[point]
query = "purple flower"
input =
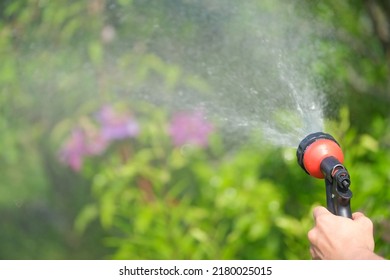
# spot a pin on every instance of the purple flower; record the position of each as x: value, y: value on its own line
x: 116, y: 125
x: 89, y: 140
x: 190, y: 128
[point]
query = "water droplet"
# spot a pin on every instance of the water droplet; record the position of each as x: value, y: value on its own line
x: 253, y: 91
x: 18, y: 203
x: 243, y: 124
x: 186, y: 149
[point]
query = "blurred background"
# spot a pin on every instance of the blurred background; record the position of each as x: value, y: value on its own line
x: 135, y: 129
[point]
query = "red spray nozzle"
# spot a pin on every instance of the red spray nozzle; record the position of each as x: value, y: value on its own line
x: 314, y: 148
x: 320, y: 156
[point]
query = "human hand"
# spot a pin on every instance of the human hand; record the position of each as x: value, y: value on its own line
x: 335, y: 238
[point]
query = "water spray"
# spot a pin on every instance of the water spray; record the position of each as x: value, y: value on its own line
x: 321, y: 156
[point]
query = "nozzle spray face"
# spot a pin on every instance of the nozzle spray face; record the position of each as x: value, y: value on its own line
x: 313, y: 149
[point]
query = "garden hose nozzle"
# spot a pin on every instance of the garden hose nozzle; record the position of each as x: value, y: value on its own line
x: 320, y: 156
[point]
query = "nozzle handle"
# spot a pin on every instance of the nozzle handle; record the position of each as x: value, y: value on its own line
x: 337, y: 202
x: 337, y: 182
x: 344, y: 211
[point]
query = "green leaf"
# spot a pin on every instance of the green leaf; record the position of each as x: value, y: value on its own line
x: 88, y: 214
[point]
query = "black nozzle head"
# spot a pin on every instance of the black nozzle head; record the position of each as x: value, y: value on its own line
x: 307, y: 141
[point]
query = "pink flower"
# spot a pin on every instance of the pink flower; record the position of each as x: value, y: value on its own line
x: 190, y: 128
x: 81, y: 143
x: 74, y: 150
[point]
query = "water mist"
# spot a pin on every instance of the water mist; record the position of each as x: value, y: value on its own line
x: 256, y: 58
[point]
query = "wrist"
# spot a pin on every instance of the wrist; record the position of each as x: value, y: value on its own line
x: 363, y: 254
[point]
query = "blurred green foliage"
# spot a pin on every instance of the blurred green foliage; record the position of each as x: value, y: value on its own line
x: 145, y: 198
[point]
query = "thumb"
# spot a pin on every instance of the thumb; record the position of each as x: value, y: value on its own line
x: 358, y: 216
x: 320, y: 210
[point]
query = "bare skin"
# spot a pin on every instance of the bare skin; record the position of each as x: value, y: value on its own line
x: 339, y: 238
